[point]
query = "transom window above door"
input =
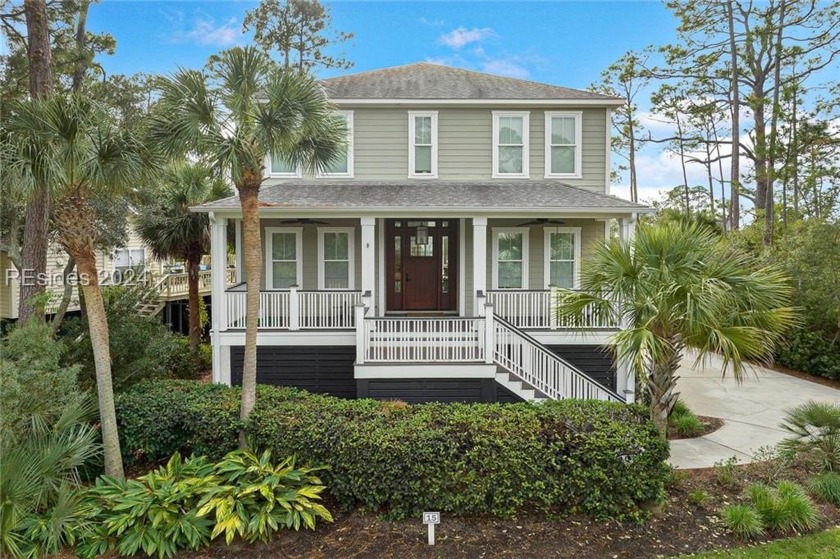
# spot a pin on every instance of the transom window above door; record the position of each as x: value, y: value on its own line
x: 563, y: 144
x: 283, y: 257
x: 510, y: 144
x: 510, y: 257
x: 422, y: 144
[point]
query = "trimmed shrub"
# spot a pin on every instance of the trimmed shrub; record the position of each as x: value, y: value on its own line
x: 556, y: 458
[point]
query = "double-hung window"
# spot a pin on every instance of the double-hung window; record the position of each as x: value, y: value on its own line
x: 422, y: 144
x: 283, y: 257
x: 335, y: 258
x: 510, y: 144
x: 342, y: 165
x: 278, y: 167
x: 129, y: 259
x: 562, y: 144
x: 562, y: 257
x: 510, y: 258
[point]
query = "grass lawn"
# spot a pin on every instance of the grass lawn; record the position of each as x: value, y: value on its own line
x: 824, y: 545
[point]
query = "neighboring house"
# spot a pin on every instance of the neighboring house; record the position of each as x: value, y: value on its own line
x: 121, y: 265
x: 421, y: 265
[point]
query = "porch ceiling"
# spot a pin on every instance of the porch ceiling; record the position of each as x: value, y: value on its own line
x: 441, y: 197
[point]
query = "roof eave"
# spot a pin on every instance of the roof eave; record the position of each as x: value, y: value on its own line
x: 473, y: 101
x: 444, y: 211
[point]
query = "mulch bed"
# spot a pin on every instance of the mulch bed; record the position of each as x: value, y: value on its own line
x: 710, y: 425
x: 684, y: 524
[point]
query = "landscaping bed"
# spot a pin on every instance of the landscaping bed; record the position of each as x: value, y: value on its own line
x: 682, y: 525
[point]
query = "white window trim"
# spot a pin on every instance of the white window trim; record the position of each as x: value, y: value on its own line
x: 269, y: 269
x: 526, y: 144
x: 349, y: 116
x: 526, y: 232
x: 269, y: 174
x: 411, y: 155
x: 547, y: 253
x: 129, y: 249
x: 351, y: 256
x: 578, y: 116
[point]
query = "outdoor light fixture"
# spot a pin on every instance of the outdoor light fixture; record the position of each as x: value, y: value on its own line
x: 422, y: 235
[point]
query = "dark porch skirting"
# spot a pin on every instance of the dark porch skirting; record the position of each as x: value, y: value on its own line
x: 329, y: 370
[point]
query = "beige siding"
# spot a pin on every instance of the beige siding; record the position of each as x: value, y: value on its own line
x: 465, y: 144
x: 8, y: 289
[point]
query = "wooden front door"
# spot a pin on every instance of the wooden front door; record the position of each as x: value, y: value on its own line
x: 421, y: 261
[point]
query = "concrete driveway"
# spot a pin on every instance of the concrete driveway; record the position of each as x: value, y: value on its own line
x: 752, y: 410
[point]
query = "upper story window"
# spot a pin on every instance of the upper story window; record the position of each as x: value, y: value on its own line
x: 342, y: 166
x: 335, y: 258
x: 423, y: 144
x: 510, y: 144
x: 562, y: 144
x: 562, y: 257
x: 279, y: 168
x: 129, y: 259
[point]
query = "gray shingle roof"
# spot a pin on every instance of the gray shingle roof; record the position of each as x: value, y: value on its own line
x: 492, y: 196
x: 424, y: 80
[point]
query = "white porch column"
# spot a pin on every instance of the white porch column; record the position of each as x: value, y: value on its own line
x: 239, y: 262
x: 627, y: 228
x: 218, y: 279
x: 479, y: 259
x: 369, y: 258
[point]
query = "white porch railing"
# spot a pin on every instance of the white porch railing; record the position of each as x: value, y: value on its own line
x: 423, y: 340
x: 487, y: 339
x: 537, y: 309
x: 294, y: 309
x: 533, y: 363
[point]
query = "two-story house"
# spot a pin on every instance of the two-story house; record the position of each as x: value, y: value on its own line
x: 421, y: 266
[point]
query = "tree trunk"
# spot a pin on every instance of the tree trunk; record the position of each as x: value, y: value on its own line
x: 252, y: 259
x: 66, y: 295
x: 661, y: 383
x: 75, y: 222
x: 769, y: 217
x: 81, y: 64
x: 193, y: 311
x: 735, y: 172
x: 634, y: 185
x: 36, y: 227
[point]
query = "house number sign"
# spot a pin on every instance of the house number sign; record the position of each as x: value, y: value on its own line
x: 430, y: 519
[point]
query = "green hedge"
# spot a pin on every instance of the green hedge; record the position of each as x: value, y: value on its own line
x: 555, y: 458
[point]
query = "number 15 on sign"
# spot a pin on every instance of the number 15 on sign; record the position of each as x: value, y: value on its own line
x: 430, y: 519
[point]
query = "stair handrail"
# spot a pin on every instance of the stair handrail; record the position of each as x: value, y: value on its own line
x: 612, y: 395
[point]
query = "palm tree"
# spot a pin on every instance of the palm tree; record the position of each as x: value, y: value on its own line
x: 676, y: 287
x: 243, y: 110
x: 171, y: 230
x: 72, y: 146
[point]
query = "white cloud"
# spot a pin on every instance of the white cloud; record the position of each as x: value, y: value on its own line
x: 460, y: 37
x: 203, y: 30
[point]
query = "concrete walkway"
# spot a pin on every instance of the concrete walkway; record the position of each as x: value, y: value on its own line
x: 752, y: 411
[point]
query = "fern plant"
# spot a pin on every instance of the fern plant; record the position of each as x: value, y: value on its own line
x: 814, y: 428
x: 260, y: 497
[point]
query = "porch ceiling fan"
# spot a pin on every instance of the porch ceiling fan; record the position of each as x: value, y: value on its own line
x: 542, y: 221
x: 305, y: 221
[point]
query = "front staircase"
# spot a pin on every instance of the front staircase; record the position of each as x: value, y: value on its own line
x: 524, y: 366
x: 173, y: 287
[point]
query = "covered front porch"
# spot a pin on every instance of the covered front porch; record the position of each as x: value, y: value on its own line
x: 318, y: 269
